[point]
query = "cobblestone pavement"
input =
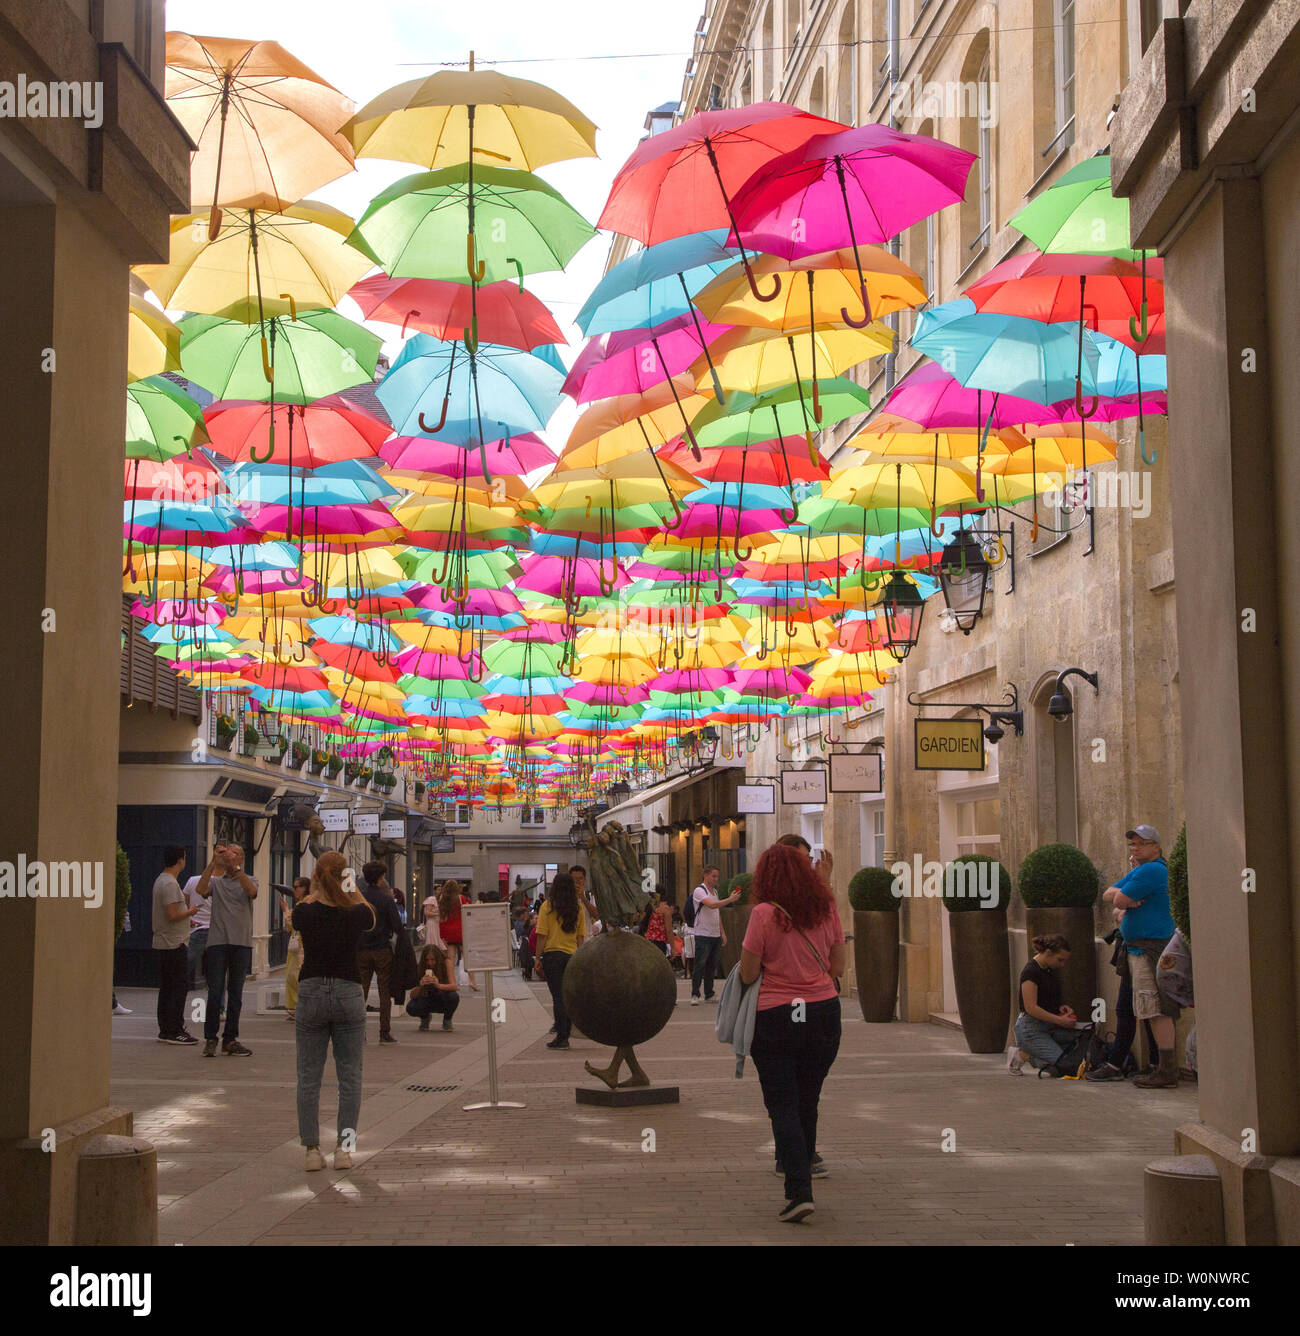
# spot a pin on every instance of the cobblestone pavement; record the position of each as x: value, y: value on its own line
x: 1034, y: 1161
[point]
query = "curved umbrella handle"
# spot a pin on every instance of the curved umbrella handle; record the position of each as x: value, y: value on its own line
x: 434, y: 430
x: 740, y: 556
x: 1083, y: 413
x: 866, y: 307
x: 1142, y: 445
x: 753, y: 283
x: 979, y: 478
x: 293, y: 305
x: 415, y: 310
x: 328, y: 606
x: 267, y: 369
x: 906, y: 565
x: 214, y: 223
x: 270, y: 444
x: 470, y: 336
x: 518, y: 264
x: 1002, y: 551
x: 476, y: 269
x: 817, y: 402
x: 300, y: 645
x: 1138, y: 333
x: 812, y: 449
x: 936, y: 526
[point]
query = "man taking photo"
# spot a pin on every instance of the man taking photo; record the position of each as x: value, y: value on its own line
x: 230, y: 945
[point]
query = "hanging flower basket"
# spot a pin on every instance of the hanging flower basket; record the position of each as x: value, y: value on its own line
x: 227, y: 730
x: 333, y: 764
x: 317, y: 761
x: 298, y: 753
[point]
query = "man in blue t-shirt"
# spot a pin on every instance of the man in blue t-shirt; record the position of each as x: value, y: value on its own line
x: 1143, y: 894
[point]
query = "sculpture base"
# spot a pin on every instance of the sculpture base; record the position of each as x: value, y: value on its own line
x: 628, y: 1096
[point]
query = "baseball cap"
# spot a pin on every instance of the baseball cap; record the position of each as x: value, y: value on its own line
x: 1144, y: 833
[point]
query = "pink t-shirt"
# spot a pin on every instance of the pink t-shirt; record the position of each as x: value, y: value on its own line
x: 790, y: 970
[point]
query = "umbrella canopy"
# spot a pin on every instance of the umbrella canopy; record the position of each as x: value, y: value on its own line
x: 507, y: 313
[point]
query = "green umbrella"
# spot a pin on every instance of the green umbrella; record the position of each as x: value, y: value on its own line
x: 1079, y: 215
x: 162, y: 421
x: 523, y: 659
x: 300, y: 361
x: 520, y: 225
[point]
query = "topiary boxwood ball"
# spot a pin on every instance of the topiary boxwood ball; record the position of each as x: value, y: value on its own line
x: 1059, y: 876
x: 1179, y: 905
x: 873, y: 888
x: 958, y: 903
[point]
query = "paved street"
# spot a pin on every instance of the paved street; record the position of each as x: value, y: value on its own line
x: 1035, y: 1161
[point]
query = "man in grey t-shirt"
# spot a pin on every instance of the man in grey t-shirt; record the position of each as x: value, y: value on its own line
x: 230, y: 945
x: 171, y: 932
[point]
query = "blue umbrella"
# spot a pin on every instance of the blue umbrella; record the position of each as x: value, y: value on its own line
x: 1009, y: 354
x: 347, y: 482
x: 359, y: 635
x: 509, y: 390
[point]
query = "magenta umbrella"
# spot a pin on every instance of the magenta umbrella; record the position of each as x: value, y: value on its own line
x: 774, y: 683
x: 633, y: 361
x: 423, y: 454
x: 478, y: 602
x: 559, y: 577
x: 602, y: 693
x: 685, y: 681
x: 834, y: 190
x: 709, y: 521
x: 416, y: 663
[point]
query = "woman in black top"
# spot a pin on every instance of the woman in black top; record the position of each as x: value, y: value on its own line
x: 331, y: 1005
x: 1045, y: 1028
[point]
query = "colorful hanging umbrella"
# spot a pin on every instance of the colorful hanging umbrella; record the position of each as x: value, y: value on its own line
x: 507, y: 312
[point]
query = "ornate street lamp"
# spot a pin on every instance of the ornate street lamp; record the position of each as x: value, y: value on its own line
x: 963, y: 577
x: 902, y: 607
x: 618, y: 792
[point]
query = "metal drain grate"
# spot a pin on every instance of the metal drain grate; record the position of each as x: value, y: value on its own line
x: 429, y: 1090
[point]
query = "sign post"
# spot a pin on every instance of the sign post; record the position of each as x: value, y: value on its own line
x: 948, y: 744
x: 486, y: 947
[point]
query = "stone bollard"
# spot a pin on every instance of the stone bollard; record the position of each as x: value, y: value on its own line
x: 1183, y: 1202
x: 117, y: 1192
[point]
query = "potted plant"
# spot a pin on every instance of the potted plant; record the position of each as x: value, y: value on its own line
x: 333, y: 765
x: 1179, y: 904
x: 364, y: 776
x: 251, y: 739
x: 419, y: 791
x: 981, y: 954
x: 227, y: 730
x: 385, y: 781
x: 875, y: 942
x: 317, y: 761
x: 735, y: 920
x: 1059, y: 886
x: 298, y: 753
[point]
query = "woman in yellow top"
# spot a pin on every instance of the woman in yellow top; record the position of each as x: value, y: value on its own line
x: 561, y: 930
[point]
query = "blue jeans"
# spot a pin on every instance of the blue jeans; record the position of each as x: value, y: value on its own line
x: 1043, y: 1042
x: 329, y: 1009
x: 227, y: 967
x: 792, y: 1059
x: 707, y: 951
x: 198, y: 945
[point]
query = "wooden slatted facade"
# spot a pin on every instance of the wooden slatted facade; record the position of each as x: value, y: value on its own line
x: 147, y: 678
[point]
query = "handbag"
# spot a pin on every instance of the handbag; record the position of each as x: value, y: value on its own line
x: 817, y: 955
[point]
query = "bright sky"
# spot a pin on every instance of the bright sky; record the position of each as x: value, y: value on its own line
x: 365, y: 48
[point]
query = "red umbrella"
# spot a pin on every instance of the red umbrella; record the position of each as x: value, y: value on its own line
x: 760, y: 462
x: 1051, y: 288
x: 682, y: 180
x: 306, y: 435
x: 507, y: 312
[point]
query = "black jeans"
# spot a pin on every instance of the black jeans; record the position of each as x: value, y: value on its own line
x: 792, y: 1058
x: 1126, y: 1025
x: 554, y: 963
x: 226, y: 967
x: 425, y: 1004
x: 173, y: 967
x: 707, y: 951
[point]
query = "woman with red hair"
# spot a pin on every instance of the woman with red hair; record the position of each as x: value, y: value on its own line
x: 796, y: 943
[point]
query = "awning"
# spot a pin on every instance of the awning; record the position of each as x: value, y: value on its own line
x: 630, y: 812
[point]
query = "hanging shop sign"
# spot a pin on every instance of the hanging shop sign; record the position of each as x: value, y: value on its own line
x: 366, y: 823
x: 334, y: 818
x: 803, y: 786
x: 857, y: 772
x: 758, y: 798
x: 393, y: 829
x: 949, y: 744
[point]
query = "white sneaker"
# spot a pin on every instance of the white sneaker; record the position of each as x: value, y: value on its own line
x: 695, y: 1001
x: 1015, y: 1063
x: 342, y: 1158
x: 315, y: 1160
x: 120, y: 1010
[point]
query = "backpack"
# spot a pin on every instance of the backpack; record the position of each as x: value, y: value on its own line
x: 1074, y: 1059
x: 688, y: 912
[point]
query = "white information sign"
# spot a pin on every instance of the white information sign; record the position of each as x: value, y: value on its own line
x: 486, y: 937
x: 755, y: 798
x: 366, y: 823
x: 394, y: 829
x: 334, y: 818
x: 803, y: 786
x: 860, y: 772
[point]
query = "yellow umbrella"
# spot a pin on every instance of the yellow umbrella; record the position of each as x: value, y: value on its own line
x: 753, y: 359
x: 817, y: 290
x: 627, y: 481
x: 153, y: 343
x: 629, y: 423
x: 435, y: 121
x: 266, y: 126
x: 260, y: 264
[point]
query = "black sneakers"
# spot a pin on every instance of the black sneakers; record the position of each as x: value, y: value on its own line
x: 558, y: 1043
x: 209, y: 1048
x: 234, y: 1049
x: 794, y: 1211
x: 387, y: 1039
x: 180, y: 1037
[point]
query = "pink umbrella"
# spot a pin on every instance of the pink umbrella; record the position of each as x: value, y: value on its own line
x: 479, y: 602
x: 862, y: 185
x: 179, y: 612
x: 601, y: 693
x: 559, y: 577
x: 689, y: 680
x: 773, y: 682
x: 418, y: 664
x: 513, y: 457
x: 632, y: 361
x: 709, y: 521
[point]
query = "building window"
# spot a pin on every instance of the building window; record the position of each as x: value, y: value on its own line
x: 532, y: 816
x: 1063, y: 68
x: 979, y: 827
x: 985, y: 150
x: 873, y: 834
x: 817, y: 101
x: 457, y: 814
x: 1149, y: 17
x: 847, y: 81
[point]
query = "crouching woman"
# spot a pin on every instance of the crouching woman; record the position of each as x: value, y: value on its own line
x: 436, y: 991
x: 1045, y: 1028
